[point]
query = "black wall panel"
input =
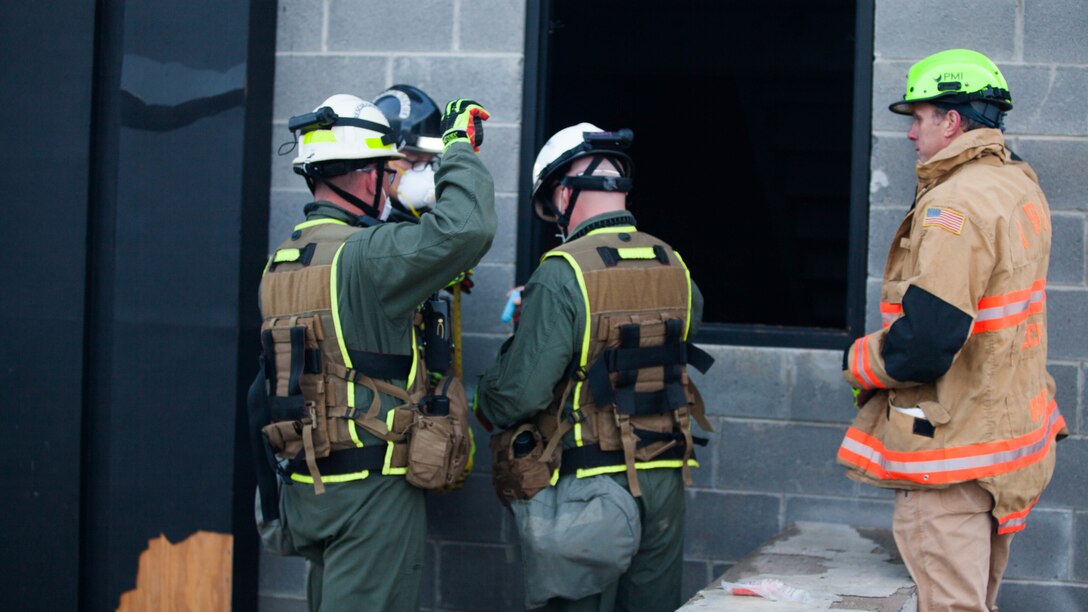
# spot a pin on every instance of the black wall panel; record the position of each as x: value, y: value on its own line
x: 46, y: 61
x: 137, y: 186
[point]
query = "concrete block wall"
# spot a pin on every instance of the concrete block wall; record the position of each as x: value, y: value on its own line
x: 778, y: 413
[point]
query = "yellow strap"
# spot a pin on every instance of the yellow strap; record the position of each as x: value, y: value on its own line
x: 283, y: 255
x: 584, y: 356
x: 313, y: 222
x: 636, y: 253
x: 318, y: 136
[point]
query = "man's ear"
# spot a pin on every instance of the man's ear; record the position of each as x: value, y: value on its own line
x: 953, y: 123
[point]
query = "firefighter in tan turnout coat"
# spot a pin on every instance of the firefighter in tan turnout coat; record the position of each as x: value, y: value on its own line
x: 957, y: 408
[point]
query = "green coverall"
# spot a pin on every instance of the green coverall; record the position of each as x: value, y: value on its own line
x: 521, y: 383
x: 365, y: 538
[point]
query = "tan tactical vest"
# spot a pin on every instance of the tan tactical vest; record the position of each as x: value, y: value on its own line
x: 313, y: 376
x: 632, y: 400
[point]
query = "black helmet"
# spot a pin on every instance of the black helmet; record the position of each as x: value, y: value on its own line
x: 414, y: 116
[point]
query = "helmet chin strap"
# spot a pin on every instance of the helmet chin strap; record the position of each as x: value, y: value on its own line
x: 371, y: 212
x: 563, y: 218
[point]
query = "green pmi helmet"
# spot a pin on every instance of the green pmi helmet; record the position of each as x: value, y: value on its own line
x: 955, y: 77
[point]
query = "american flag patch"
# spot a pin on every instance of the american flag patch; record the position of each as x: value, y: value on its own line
x: 944, y: 218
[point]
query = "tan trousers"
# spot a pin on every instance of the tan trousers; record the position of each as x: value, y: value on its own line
x: 949, y: 543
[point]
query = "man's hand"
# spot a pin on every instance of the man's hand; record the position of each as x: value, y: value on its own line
x: 463, y: 121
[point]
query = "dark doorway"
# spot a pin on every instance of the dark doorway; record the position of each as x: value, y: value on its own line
x: 744, y: 121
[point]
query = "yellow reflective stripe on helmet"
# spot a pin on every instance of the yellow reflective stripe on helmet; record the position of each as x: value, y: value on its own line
x: 687, y: 276
x: 332, y: 477
x: 585, y: 335
x: 618, y: 229
x: 636, y: 253
x: 639, y: 465
x: 387, y: 467
x: 314, y: 222
x: 318, y: 136
x: 376, y: 143
x: 335, y: 301
x: 283, y: 255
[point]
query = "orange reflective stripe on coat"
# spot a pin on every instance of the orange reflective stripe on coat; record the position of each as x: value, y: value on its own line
x: 1015, y: 521
x: 859, y: 366
x: 1010, y: 309
x: 890, y: 312
x: 952, y: 464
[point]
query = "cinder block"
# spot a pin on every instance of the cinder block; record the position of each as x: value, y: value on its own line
x: 1080, y: 546
x: 299, y: 26
x: 873, y: 321
x: 464, y: 568
x: 745, y: 381
x: 728, y: 526
x: 696, y: 577
x: 892, y: 178
x: 1032, y: 596
x: 883, y: 223
x: 304, y: 82
x: 273, y: 603
x: 819, y: 392
x: 283, y: 577
x: 703, y: 477
x: 1050, y: 159
x: 494, y: 82
x: 430, y: 575
x: 1082, y: 421
x: 1068, y: 394
x: 1067, y: 249
x: 386, y: 25
x: 889, y: 85
x: 285, y: 212
x: 500, y: 153
x: 1054, y: 32
x: 1048, y: 99
x: 283, y: 177
x: 1070, y: 480
x: 1039, y: 551
x: 492, y: 25
x: 472, y: 514
x: 506, y: 237
x: 874, y: 514
x: 1068, y: 331
x: 917, y: 29
x: 782, y: 458
x: 483, y: 307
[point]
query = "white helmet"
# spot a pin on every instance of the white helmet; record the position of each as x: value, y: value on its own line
x: 569, y: 144
x: 344, y: 127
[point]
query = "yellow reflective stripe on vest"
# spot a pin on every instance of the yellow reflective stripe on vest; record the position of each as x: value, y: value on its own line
x: 313, y: 222
x: 585, y: 334
x: 334, y: 296
x: 332, y: 477
x: 639, y: 465
x: 318, y: 136
x: 283, y: 255
x: 387, y: 467
x: 687, y: 277
x: 636, y: 253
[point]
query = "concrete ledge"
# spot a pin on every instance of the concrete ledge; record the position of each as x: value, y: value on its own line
x: 841, y: 567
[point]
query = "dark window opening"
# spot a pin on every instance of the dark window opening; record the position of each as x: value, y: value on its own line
x: 745, y: 143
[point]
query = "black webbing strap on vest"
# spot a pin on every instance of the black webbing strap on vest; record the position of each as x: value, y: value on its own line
x: 647, y: 437
x: 345, y: 461
x: 292, y: 406
x: 588, y: 457
x: 381, y: 365
x: 628, y: 359
x: 264, y: 461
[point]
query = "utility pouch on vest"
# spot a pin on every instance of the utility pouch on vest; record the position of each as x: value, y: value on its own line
x: 293, y: 365
x: 437, y: 334
x: 519, y: 468
x: 439, y: 443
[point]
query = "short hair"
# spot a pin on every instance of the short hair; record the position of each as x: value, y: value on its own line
x: 968, y: 123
